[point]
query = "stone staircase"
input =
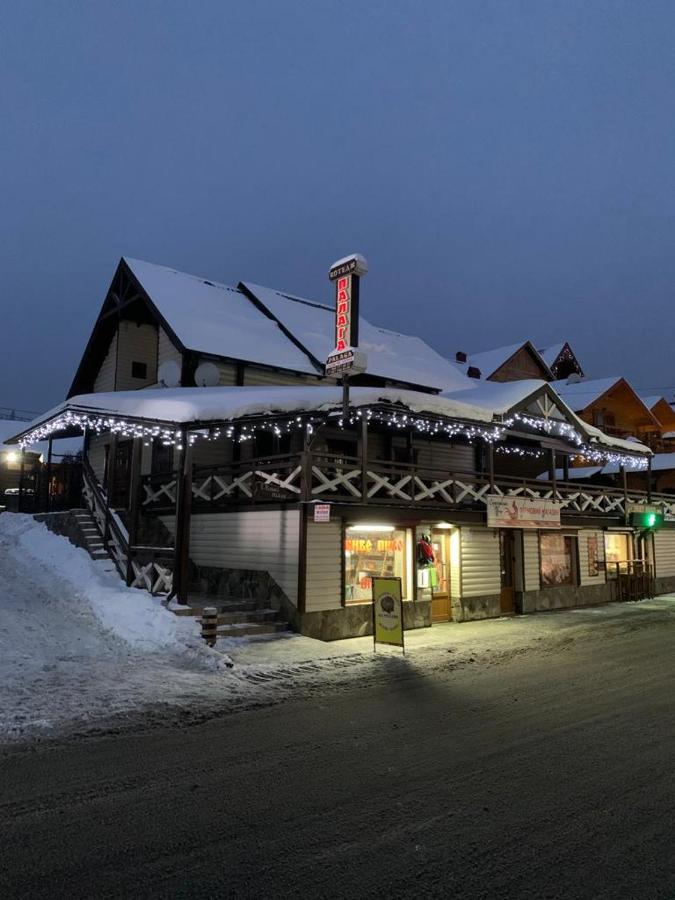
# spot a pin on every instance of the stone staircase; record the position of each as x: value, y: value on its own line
x: 237, y: 618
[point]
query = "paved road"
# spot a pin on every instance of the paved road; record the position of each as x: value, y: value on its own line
x: 550, y: 773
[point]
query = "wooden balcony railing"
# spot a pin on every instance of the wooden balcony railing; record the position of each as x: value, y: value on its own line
x: 321, y: 476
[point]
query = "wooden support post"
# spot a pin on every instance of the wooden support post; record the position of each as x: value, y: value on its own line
x: 649, y: 480
x: 566, y: 467
x: 134, y: 502
x: 491, y: 466
x: 21, y: 473
x: 181, y: 568
x: 345, y: 400
x: 624, y: 485
x: 364, y: 458
x: 49, y: 473
x: 551, y: 469
x: 110, y: 483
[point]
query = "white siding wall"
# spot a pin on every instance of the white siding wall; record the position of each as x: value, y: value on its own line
x: 228, y: 374
x: 583, y: 536
x: 664, y: 552
x: 480, y: 562
x: 324, y: 566
x: 137, y: 343
x: 105, y: 380
x: 263, y: 377
x: 455, y: 563
x: 531, y: 560
x: 261, y: 540
x: 166, y: 349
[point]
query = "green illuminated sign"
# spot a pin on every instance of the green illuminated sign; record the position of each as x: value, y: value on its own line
x: 648, y: 518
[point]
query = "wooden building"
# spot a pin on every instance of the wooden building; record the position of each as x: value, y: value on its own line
x: 209, y: 492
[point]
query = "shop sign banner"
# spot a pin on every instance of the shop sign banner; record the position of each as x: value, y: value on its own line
x: 322, y: 512
x: 387, y: 611
x: 522, y: 512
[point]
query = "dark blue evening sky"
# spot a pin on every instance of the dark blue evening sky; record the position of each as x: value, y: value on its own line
x: 507, y: 167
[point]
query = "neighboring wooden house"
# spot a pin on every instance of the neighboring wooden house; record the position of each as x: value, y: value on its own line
x: 561, y: 360
x: 665, y: 414
x: 612, y: 405
x: 513, y: 363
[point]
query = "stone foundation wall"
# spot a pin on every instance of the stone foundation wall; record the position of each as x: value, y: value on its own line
x: 468, y: 609
x: 356, y: 620
x: 567, y: 597
x: 664, y: 585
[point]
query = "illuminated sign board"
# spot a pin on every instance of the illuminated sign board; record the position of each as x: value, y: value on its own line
x: 346, y: 273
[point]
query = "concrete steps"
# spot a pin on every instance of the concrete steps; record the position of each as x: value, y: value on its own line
x: 93, y: 542
x: 236, y: 618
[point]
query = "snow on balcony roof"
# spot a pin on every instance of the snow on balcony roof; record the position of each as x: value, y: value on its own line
x: 9, y: 427
x: 213, y: 318
x: 502, y: 396
x: 185, y: 406
x: 400, y: 357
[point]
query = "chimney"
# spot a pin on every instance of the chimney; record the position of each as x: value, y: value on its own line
x: 460, y: 356
x: 473, y: 372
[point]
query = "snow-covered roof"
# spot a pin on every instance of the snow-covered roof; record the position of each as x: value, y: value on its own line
x: 502, y: 396
x: 579, y: 394
x: 183, y: 406
x: 63, y: 447
x: 550, y: 354
x: 403, y: 357
x: 489, y: 361
x: 213, y: 318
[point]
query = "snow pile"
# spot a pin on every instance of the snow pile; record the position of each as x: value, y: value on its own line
x: 132, y: 615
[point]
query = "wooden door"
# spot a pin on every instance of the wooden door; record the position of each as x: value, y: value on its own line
x: 507, y: 559
x: 120, y: 497
x: 440, y: 592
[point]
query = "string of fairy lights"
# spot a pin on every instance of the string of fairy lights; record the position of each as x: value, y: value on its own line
x: 493, y: 434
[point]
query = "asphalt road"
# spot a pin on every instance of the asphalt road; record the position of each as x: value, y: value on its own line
x: 550, y: 773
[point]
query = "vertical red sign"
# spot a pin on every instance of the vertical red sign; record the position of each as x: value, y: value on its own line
x: 343, y: 312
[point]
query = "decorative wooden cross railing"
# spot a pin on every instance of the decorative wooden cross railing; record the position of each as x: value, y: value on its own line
x: 149, y: 568
x: 320, y: 476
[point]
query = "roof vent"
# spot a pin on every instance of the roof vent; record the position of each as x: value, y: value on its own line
x: 460, y: 356
x: 473, y: 372
x: 574, y: 378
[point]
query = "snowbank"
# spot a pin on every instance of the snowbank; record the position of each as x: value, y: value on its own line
x: 130, y: 614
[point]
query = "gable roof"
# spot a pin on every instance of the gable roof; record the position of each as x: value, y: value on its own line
x: 580, y: 394
x: 216, y: 319
x: 490, y: 361
x: 400, y: 357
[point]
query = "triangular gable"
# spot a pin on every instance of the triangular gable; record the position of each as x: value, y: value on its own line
x: 501, y: 364
x: 561, y: 360
x: 545, y: 404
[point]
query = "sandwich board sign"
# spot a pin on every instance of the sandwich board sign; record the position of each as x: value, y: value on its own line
x: 387, y: 612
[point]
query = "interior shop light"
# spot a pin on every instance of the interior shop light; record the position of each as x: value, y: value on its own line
x: 371, y: 528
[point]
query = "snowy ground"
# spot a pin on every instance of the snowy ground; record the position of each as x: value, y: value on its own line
x: 80, y: 652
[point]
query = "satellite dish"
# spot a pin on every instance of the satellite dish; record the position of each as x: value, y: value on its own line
x: 168, y: 374
x: 207, y: 375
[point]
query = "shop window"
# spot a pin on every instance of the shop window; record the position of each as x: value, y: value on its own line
x: 139, y: 370
x: 558, y: 560
x: 618, y: 552
x: 373, y: 550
